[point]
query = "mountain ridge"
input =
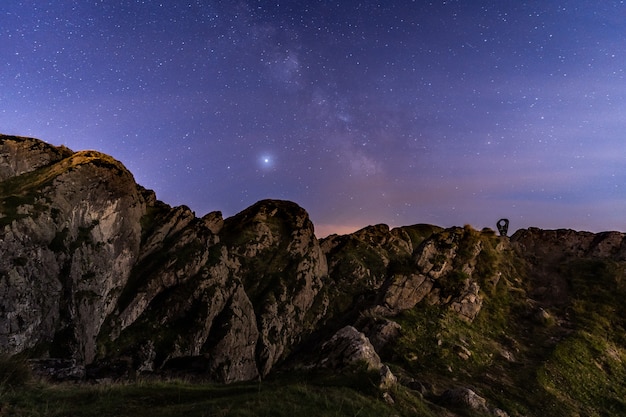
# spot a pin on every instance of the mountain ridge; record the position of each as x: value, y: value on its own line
x: 99, y: 275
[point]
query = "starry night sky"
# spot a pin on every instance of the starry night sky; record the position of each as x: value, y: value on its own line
x: 362, y: 112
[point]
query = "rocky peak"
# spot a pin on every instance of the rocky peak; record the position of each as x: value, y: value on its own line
x: 284, y: 286
x: 20, y: 155
x: 551, y: 245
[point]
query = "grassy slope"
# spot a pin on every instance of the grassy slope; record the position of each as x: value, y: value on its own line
x: 570, y: 361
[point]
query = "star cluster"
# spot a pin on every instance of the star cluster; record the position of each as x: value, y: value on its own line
x: 443, y: 112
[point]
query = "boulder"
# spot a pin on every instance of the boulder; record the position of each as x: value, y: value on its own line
x: 349, y: 347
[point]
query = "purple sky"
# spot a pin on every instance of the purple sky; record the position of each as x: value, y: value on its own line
x: 362, y: 112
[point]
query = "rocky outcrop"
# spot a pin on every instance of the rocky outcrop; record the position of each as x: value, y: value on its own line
x: 562, y: 243
x: 440, y: 270
x: 232, y: 316
x: 548, y: 250
x: 93, y: 268
x: 281, y: 269
x: 381, y: 332
x: 98, y: 278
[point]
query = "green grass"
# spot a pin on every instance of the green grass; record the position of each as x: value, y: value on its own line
x: 592, y: 370
x: 286, y: 395
x: 586, y: 371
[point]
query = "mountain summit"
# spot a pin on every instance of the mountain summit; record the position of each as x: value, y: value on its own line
x: 99, y: 279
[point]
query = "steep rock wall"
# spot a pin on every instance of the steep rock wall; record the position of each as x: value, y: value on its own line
x: 69, y: 234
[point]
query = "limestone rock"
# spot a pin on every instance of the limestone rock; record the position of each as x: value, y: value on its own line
x: 388, y: 398
x: 406, y: 291
x: 441, y: 272
x: 232, y: 357
x: 120, y: 274
x: 349, y: 347
x: 462, y: 352
x: 496, y: 412
x: 469, y: 302
x: 542, y: 317
x: 362, y: 263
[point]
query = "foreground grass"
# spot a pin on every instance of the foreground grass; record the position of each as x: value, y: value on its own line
x: 283, y: 396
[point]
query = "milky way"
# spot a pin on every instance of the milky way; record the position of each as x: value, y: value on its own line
x: 362, y: 112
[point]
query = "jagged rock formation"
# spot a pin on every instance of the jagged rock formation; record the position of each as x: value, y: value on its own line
x: 96, y: 273
x: 95, y: 269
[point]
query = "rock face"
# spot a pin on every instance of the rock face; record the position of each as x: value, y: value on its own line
x: 70, y: 234
x: 99, y: 278
x: 93, y: 269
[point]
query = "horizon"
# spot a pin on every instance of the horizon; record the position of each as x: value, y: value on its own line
x: 325, y: 230
x: 328, y: 230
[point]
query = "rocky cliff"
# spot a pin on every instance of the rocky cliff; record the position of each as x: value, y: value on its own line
x: 100, y: 276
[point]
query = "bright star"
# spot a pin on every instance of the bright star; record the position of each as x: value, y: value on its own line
x: 266, y: 162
